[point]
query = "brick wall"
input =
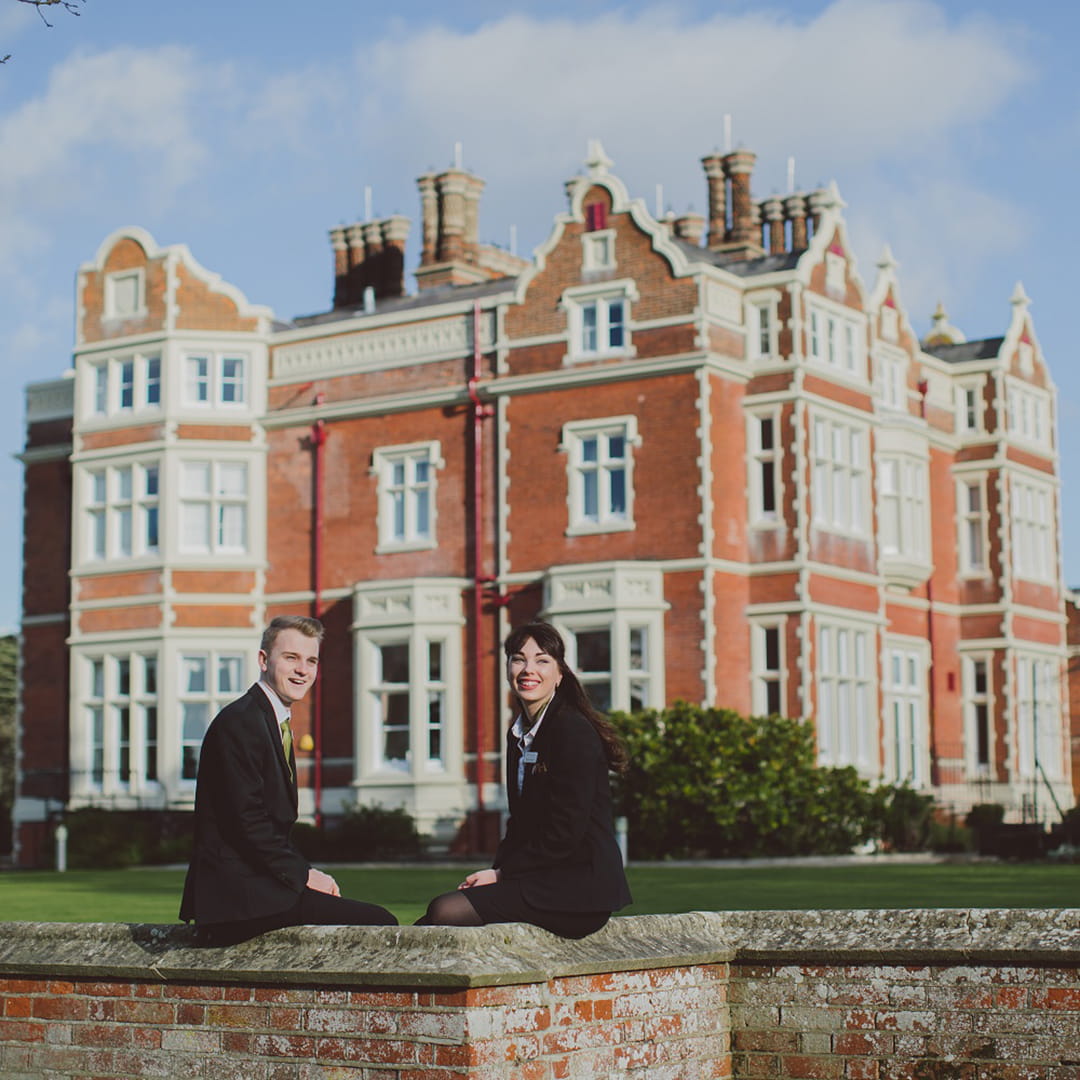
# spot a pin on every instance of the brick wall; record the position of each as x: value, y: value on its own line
x: 884, y: 995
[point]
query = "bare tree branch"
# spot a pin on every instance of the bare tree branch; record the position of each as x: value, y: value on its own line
x: 71, y: 6
x: 67, y: 5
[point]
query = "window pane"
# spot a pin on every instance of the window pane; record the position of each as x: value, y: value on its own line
x: 639, y: 642
x: 395, y: 663
x: 150, y: 770
x: 599, y: 694
x: 230, y: 674
x: 423, y: 513
x: 435, y: 661
x: 590, y: 490
x: 588, y: 328
x: 195, y: 478
x: 589, y: 449
x: 618, y: 492
x: 149, y: 674
x: 593, y: 650
x: 232, y: 479
x: 193, y: 677
x: 232, y: 528
x: 97, y: 678
x: 153, y: 381
x: 195, y: 526
x: 615, y: 324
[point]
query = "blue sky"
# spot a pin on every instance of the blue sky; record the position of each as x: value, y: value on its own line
x: 247, y: 130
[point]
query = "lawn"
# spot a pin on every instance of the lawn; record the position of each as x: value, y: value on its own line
x: 153, y: 895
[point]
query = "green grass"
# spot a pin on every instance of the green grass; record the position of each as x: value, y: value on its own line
x: 154, y: 895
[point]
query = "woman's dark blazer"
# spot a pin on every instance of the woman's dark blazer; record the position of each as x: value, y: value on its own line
x: 242, y: 864
x: 560, y: 838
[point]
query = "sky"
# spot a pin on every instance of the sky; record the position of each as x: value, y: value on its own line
x: 247, y: 130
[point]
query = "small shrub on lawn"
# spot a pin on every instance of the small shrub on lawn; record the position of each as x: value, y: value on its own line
x: 101, y: 839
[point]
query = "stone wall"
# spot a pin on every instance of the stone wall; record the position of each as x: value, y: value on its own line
x: 884, y: 995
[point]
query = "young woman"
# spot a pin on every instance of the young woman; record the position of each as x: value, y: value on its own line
x: 558, y: 866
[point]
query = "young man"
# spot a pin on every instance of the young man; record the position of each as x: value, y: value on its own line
x: 245, y: 877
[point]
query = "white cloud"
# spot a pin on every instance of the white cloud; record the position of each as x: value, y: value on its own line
x: 862, y: 79
x: 133, y: 105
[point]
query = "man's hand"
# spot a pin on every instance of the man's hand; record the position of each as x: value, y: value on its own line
x: 321, y: 882
x: 480, y: 877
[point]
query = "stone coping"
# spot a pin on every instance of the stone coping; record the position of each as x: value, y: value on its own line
x: 457, y: 958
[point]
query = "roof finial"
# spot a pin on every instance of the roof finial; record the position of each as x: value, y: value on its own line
x: 886, y: 260
x: 597, y: 161
x: 1020, y: 298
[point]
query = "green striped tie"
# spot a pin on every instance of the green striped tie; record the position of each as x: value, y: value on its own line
x: 286, y: 743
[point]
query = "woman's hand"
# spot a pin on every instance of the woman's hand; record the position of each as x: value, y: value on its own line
x: 480, y: 877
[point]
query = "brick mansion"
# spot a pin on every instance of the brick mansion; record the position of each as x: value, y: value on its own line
x: 723, y: 464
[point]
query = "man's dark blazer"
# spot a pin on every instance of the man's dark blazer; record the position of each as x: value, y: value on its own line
x: 560, y: 838
x: 242, y: 864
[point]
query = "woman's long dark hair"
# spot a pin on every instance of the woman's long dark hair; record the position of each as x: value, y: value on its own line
x: 570, y: 690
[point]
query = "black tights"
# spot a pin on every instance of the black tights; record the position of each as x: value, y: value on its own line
x: 450, y: 909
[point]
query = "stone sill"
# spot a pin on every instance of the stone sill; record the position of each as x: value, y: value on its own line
x: 452, y: 958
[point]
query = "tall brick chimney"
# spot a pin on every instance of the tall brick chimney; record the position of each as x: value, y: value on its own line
x: 369, y: 254
x: 743, y: 239
x: 717, y: 181
x: 450, y: 254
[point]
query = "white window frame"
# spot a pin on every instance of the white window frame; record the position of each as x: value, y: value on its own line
x: 973, y: 525
x: 575, y: 301
x: 104, y: 390
x: 905, y: 690
x: 406, y: 515
x: 978, y: 701
x: 847, y: 695
x: 416, y: 612
x: 892, y: 371
x: 121, y: 522
x: 114, y: 285
x: 768, y: 679
x: 575, y: 437
x: 626, y: 599
x: 216, y: 379
x: 969, y: 406
x: 116, y: 731
x: 218, y: 501
x: 904, y: 510
x: 1032, y: 514
x: 764, y: 468
x: 1038, y: 717
x: 840, y: 482
x: 598, y: 250
x: 1029, y: 413
x: 226, y: 678
x: 836, y: 339
x: 762, y: 315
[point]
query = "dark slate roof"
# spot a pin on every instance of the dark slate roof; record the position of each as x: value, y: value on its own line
x: 985, y: 349
x: 442, y: 294
x: 764, y: 264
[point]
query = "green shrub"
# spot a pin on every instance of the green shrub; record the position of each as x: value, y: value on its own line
x: 361, y: 834
x: 985, y: 821
x: 711, y: 782
x: 110, y: 839
x: 906, y: 817
x: 950, y: 837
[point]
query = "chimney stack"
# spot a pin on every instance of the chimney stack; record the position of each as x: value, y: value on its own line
x: 451, y: 253
x: 369, y: 254
x: 773, y: 211
x: 717, y: 181
x: 689, y: 227
x: 795, y: 208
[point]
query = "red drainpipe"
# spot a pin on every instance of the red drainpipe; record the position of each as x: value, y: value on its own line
x: 931, y: 703
x: 479, y: 412
x: 318, y: 440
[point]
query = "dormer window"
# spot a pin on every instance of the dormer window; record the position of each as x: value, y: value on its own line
x: 835, y: 272
x: 598, y: 250
x: 124, y: 294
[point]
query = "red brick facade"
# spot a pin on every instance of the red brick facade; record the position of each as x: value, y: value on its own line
x: 729, y: 477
